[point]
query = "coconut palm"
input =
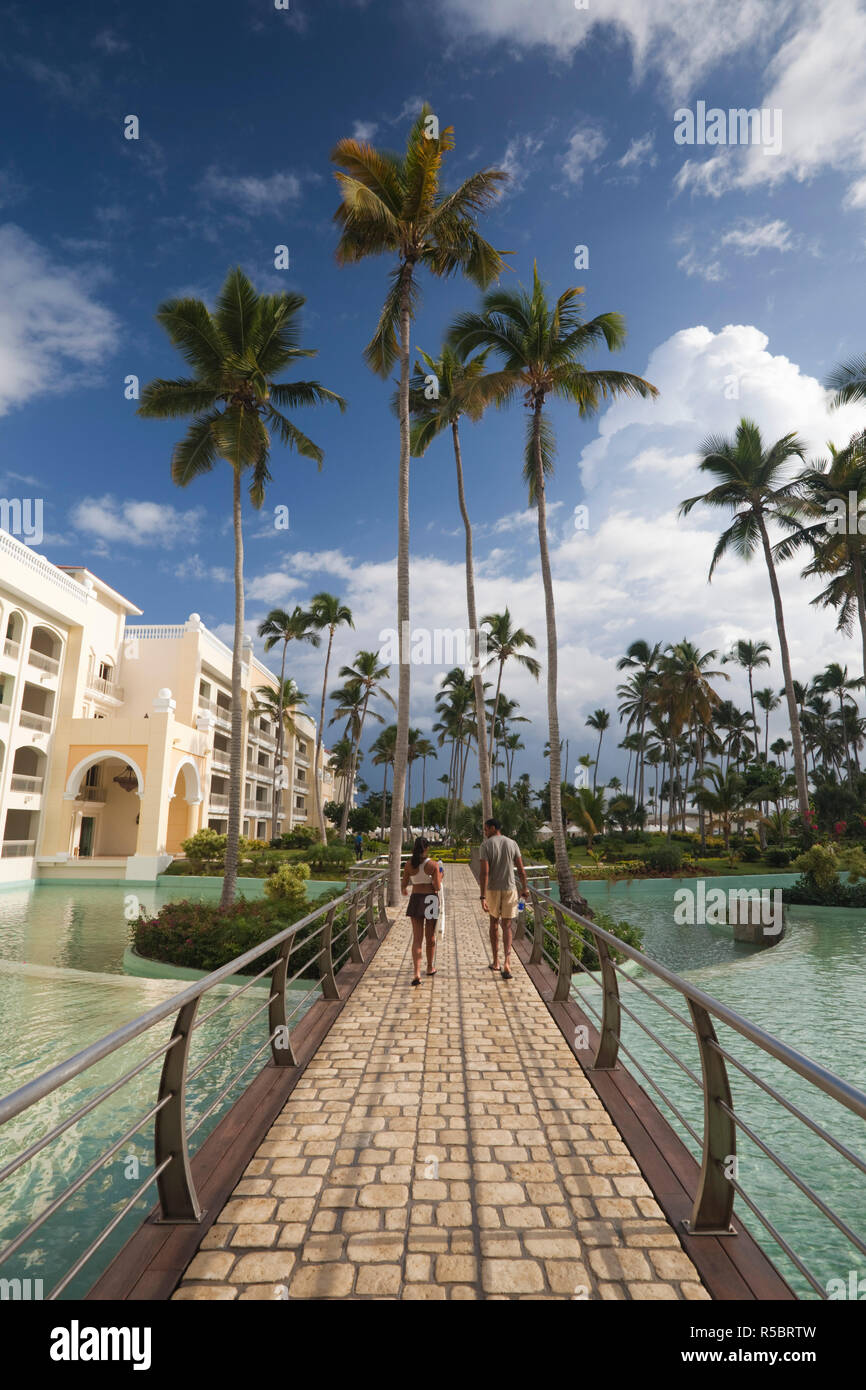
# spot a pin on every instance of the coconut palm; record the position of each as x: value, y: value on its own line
x: 848, y: 380
x: 541, y: 347
x: 767, y: 700
x: 279, y: 706
x: 751, y: 482
x: 382, y: 751
x: 393, y: 205
x: 424, y: 749
x: 723, y: 797
x: 780, y: 748
x: 640, y: 659
x: 598, y: 720
x: 234, y: 354
x: 366, y: 677
x: 326, y: 611
x: 835, y: 680
x: 749, y: 655
x: 280, y: 626
x: 341, y: 761
x: 505, y: 643
x: 437, y: 405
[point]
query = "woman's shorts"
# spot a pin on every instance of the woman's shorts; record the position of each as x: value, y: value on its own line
x: 425, y: 905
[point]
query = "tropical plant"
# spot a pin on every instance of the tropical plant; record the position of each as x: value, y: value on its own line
x: 280, y: 626
x: 393, y: 205
x: 541, y: 347
x: 235, y: 353
x: 365, y: 678
x: 751, y: 483
x: 598, y: 720
x: 326, y: 612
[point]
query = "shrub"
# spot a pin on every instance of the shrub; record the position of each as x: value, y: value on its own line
x: 752, y: 853
x: 581, y: 940
x: 204, y: 847
x: 666, y: 859
x: 287, y: 885
x: 299, y: 838
x: 777, y: 858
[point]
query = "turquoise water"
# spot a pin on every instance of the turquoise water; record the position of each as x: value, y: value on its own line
x: 810, y: 991
x: 61, y: 988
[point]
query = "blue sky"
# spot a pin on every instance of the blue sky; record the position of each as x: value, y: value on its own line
x: 729, y: 264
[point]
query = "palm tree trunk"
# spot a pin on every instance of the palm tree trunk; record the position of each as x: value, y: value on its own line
x: 797, y: 751
x: 320, y: 814
x: 278, y: 759
x: 568, y: 894
x: 857, y: 570
x: 472, y: 613
x: 495, y: 708
x: 384, y: 796
x: 401, y: 747
x: 597, y: 756
x: 236, y: 781
x: 423, y: 794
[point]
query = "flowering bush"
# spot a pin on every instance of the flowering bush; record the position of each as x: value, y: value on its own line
x: 287, y: 885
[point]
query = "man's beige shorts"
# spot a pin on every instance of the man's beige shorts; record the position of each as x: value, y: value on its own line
x: 502, y: 902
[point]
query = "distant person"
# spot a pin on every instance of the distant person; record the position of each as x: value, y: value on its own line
x: 422, y: 874
x: 359, y: 845
x: 499, y: 857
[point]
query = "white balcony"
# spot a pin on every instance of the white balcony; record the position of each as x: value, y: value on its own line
x: 18, y: 849
x: 22, y: 783
x: 41, y: 722
x: 12, y: 649
x: 4, y: 713
x: 108, y: 689
x: 218, y: 801
x: 43, y: 662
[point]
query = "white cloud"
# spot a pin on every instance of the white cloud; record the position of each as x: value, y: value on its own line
x: 640, y: 151
x: 249, y: 192
x: 584, y: 148
x: 750, y: 237
x: 518, y: 160
x: 677, y: 40
x: 195, y: 568
x: 364, y: 130
x: 108, y: 42
x: 53, y: 333
x: 135, y: 523
x: 694, y: 263
x: 815, y: 80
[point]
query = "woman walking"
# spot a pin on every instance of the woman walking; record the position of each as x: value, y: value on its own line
x: 423, y: 875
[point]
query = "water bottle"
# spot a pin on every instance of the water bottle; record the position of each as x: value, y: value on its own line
x: 521, y: 905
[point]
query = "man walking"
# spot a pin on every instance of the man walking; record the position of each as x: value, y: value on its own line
x: 499, y: 857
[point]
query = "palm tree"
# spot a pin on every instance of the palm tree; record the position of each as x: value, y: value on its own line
x: 424, y: 749
x: 412, y: 755
x: 848, y: 380
x: 768, y: 700
x: 640, y: 659
x: 598, y: 720
x: 722, y: 798
x: 278, y: 705
x: 749, y: 655
x: 326, y: 611
x: 437, y: 405
x: 751, y: 483
x: 341, y: 762
x: 234, y: 354
x: 503, y: 643
x: 367, y: 675
x: 392, y: 205
x: 382, y: 750
x: 541, y: 348
x: 835, y: 679
x: 780, y: 748
x: 280, y: 626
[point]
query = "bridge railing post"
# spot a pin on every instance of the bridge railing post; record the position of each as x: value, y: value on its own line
x: 537, y: 928
x: 383, y: 913
x: 281, y: 1047
x: 354, y: 944
x: 566, y: 965
x: 330, y: 989
x: 714, y: 1201
x: 177, y: 1195
x: 611, y: 1013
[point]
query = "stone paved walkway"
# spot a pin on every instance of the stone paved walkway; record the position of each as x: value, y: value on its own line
x: 442, y: 1143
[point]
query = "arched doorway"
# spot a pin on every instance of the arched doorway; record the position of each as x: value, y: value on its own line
x: 107, y: 793
x: 183, y: 806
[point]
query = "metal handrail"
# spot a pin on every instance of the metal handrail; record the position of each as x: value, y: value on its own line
x: 177, y: 1195
x: 717, y: 1185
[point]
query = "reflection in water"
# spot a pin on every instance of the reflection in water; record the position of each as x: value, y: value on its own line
x: 810, y: 991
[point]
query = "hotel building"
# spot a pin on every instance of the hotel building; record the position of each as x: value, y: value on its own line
x: 114, y: 735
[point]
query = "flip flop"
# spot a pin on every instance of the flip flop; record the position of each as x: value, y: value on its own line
x: 507, y: 975
x: 418, y: 981
x: 493, y: 967
x: 431, y: 972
